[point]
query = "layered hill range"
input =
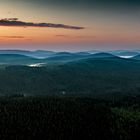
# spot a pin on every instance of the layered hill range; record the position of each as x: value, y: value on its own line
x: 97, y: 74
x: 42, y: 58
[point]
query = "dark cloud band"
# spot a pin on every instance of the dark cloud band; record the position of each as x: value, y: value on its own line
x: 16, y: 22
x: 75, y: 37
x: 12, y: 37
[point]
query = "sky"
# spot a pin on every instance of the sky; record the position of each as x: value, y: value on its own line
x: 70, y: 25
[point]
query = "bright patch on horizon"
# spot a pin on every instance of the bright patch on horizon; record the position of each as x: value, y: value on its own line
x: 127, y: 56
x: 36, y: 65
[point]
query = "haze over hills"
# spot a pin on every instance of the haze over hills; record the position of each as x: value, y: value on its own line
x: 96, y: 75
x: 125, y: 53
x: 137, y: 57
x: 21, y: 57
x: 16, y: 59
x: 35, y: 54
x: 45, y: 53
x: 101, y: 55
x: 66, y: 56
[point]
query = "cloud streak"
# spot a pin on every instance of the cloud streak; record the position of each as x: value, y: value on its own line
x: 15, y: 22
x: 73, y: 37
x: 12, y: 37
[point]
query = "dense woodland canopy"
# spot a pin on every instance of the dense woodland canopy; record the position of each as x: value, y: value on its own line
x: 69, y: 118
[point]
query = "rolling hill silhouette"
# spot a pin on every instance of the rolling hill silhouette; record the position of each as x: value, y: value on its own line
x: 35, y: 54
x: 102, y: 55
x: 66, y: 57
x: 125, y: 52
x: 96, y: 77
x: 137, y: 57
x: 12, y: 59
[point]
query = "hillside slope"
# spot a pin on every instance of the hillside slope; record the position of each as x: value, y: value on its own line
x: 88, y: 77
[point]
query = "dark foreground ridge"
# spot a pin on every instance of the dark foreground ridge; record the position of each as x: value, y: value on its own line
x: 68, y: 118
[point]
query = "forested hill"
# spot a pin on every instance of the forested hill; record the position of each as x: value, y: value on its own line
x: 100, y: 77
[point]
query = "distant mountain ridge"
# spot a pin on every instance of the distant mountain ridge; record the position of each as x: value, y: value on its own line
x: 16, y: 59
x: 137, y: 57
x: 102, y: 55
x: 35, y: 54
x: 23, y: 57
x: 45, y: 53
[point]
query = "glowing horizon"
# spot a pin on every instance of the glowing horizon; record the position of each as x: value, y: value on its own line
x: 85, y: 25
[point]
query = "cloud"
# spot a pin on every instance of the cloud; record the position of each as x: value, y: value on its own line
x: 62, y: 35
x: 73, y: 37
x: 16, y: 22
x: 13, y: 37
